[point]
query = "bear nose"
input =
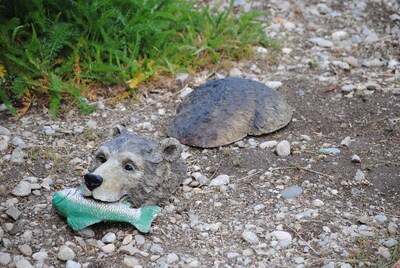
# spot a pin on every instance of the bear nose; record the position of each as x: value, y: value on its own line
x: 93, y: 181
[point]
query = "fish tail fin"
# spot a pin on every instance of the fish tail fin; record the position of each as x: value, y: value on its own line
x: 148, y: 214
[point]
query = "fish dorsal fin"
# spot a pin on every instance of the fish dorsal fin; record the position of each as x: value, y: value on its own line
x: 78, y: 223
x: 126, y: 203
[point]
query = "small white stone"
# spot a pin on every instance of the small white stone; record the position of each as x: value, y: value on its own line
x: 283, y: 148
x: 131, y: 261
x: 359, y: 175
x: 321, y: 42
x: 346, y: 142
x: 235, y: 72
x: 348, y: 88
x: 250, y: 237
x: 109, y: 238
x: 22, y: 189
x: 355, y: 159
x: 317, y: 203
x: 268, y: 144
x: 186, y: 91
x: 274, y: 84
x: 127, y: 239
x: 22, y: 263
x: 261, y: 50
x: 222, y: 179
x: 72, y: 264
x: 40, y: 256
x: 287, y: 50
x: 108, y: 248
x: 339, y: 35
x: 172, y: 258
x: 91, y: 123
x: 65, y: 253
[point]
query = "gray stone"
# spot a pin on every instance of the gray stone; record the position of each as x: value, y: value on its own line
x: 317, y: 203
x: 5, y: 258
x: 346, y: 142
x: 355, y: 159
x: 371, y: 38
x: 5, y: 131
x: 140, y: 240
x: 128, y: 249
x: 65, y: 253
x: 392, y: 228
x: 390, y: 242
x: 186, y: 91
x: 222, y: 179
x: 283, y: 148
x: 22, y: 263
x: 329, y: 265
x: 22, y: 189
x: 274, y: 84
x: 332, y: 151
x: 172, y: 258
x: 268, y: 144
x: 348, y: 88
x: 359, y: 175
x: 156, y: 249
x: 87, y: 232
x: 13, y: 212
x: 321, y: 42
x: 109, y: 248
x: 72, y: 264
x: 292, y: 192
x: 91, y: 124
x: 40, y: 256
x: 109, y: 238
x: 4, y: 142
x: 342, y: 65
x: 250, y: 237
x: 381, y: 218
x: 339, y: 35
x: 25, y: 249
x: 18, y: 142
x: 131, y: 262
x: 284, y: 238
x: 17, y: 156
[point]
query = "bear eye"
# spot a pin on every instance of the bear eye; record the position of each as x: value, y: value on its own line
x: 102, y: 158
x: 128, y: 167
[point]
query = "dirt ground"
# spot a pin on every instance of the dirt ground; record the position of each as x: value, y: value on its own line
x: 204, y: 225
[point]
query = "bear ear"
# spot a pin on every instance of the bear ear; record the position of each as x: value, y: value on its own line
x: 170, y: 149
x: 117, y: 130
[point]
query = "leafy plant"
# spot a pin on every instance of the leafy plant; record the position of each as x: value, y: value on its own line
x: 61, y: 47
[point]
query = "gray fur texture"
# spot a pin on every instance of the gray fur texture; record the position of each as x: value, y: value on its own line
x: 145, y: 171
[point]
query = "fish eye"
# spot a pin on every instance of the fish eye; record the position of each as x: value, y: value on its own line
x: 128, y: 167
x: 102, y: 158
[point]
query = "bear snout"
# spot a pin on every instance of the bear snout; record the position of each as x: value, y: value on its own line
x: 93, y: 181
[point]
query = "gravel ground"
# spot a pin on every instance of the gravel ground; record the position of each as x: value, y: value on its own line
x: 332, y: 202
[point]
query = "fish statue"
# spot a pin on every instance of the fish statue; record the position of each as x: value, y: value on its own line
x: 82, y: 211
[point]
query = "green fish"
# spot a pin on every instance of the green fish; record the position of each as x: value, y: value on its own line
x: 81, y: 211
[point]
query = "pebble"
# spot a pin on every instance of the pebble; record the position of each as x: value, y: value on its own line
x: 72, y: 264
x: 140, y: 240
x: 321, y: 42
x: 390, y: 242
x: 186, y: 91
x: 25, y: 249
x: 348, y: 88
x: 22, y: 189
x: 109, y: 238
x: 339, y: 35
x: 392, y: 228
x: 4, y: 142
x: 91, y: 124
x: 127, y: 239
x: 355, y: 159
x: 384, y: 252
x: 292, y: 192
x: 13, y: 212
x: 5, y: 258
x: 268, y: 144
x: 129, y: 249
x: 131, y: 261
x: 156, y: 249
x: 65, y: 253
x: 359, y: 175
x: 40, y: 256
x: 317, y: 203
x: 17, y: 156
x: 235, y: 72
x: 108, y: 248
x: 284, y: 238
x: 274, y: 84
x: 283, y: 148
x: 381, y: 218
x: 220, y: 180
x: 172, y: 258
x: 5, y: 131
x: 332, y: 151
x: 22, y: 263
x: 342, y: 65
x: 329, y: 265
x: 250, y: 237
x: 87, y: 232
x: 346, y: 142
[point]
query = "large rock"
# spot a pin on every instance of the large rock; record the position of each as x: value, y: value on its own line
x: 223, y: 111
